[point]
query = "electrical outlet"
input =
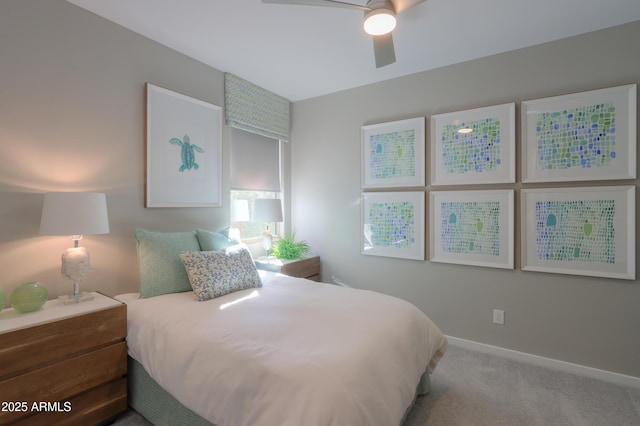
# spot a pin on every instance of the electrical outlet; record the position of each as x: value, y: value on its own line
x: 498, y: 316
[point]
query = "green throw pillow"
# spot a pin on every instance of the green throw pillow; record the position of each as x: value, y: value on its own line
x: 210, y: 241
x: 159, y: 265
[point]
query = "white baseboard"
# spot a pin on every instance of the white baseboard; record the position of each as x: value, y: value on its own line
x: 581, y: 370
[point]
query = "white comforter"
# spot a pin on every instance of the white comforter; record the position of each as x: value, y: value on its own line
x: 293, y: 352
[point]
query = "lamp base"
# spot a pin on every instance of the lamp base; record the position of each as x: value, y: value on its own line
x: 76, y: 298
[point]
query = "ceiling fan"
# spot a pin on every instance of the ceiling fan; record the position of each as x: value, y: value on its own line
x: 379, y: 21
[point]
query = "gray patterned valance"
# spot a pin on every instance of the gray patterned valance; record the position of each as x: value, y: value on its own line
x: 254, y: 109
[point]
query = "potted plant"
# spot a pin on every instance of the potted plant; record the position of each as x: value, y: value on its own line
x: 288, y: 248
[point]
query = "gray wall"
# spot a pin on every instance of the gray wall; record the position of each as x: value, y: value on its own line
x: 72, y: 117
x: 588, y: 321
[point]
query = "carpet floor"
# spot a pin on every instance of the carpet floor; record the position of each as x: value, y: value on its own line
x: 475, y: 388
x: 471, y: 388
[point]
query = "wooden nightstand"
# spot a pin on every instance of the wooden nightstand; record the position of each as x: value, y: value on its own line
x: 308, y: 267
x: 64, y: 364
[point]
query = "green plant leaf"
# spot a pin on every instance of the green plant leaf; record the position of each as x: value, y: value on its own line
x: 288, y: 248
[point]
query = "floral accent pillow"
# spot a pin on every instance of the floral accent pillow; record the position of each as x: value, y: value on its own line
x: 216, y: 273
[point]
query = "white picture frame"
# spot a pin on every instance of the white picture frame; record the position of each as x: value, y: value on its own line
x: 582, y: 136
x: 472, y: 227
x: 474, y: 146
x: 183, y: 144
x: 393, y: 154
x: 579, y: 231
x: 393, y: 224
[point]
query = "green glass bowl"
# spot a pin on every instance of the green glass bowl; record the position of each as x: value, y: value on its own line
x: 29, y: 297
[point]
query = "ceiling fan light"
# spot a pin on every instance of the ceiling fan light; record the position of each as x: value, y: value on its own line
x: 379, y: 21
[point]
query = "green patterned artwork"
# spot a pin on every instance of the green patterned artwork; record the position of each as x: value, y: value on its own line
x: 473, y: 146
x: 582, y: 137
x: 392, y: 224
x: 580, y: 230
x: 471, y: 227
x: 477, y: 150
x: 393, y: 154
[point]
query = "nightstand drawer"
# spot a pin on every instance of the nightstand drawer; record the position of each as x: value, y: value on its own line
x: 68, y: 360
x: 302, y: 268
x: 26, y: 349
x: 70, y: 377
x: 90, y: 408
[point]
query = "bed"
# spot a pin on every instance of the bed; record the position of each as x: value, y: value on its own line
x: 267, y: 349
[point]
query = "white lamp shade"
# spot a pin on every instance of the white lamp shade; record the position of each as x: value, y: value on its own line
x: 74, y: 213
x: 267, y: 210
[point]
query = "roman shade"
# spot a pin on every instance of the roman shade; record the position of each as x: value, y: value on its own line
x: 255, y: 162
x: 254, y: 109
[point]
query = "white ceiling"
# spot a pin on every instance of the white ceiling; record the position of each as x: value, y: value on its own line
x: 301, y: 52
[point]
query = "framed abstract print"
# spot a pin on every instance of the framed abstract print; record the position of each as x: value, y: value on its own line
x: 393, y: 154
x: 472, y: 227
x: 475, y: 146
x: 393, y: 224
x: 580, y: 231
x: 583, y: 136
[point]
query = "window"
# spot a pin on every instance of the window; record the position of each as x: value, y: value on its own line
x: 255, y: 174
x: 242, y: 212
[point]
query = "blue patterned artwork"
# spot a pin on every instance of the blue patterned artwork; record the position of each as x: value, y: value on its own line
x: 392, y: 154
x: 581, y: 137
x: 187, y: 153
x: 476, y: 150
x: 474, y: 146
x: 391, y: 224
x: 470, y: 227
x: 581, y: 230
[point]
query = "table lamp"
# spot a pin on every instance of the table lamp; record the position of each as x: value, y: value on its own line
x: 267, y: 210
x: 239, y: 213
x: 74, y: 214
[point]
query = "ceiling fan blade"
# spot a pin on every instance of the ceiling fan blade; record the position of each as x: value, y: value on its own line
x: 402, y: 5
x: 383, y: 50
x: 328, y: 3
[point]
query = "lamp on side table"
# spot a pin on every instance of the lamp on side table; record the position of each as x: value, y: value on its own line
x: 74, y: 214
x: 267, y: 210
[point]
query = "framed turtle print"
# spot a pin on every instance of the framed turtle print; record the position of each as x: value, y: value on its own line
x: 183, y: 163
